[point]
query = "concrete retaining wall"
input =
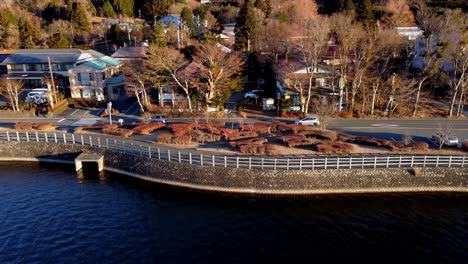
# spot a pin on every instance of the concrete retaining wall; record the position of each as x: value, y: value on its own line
x: 250, y: 181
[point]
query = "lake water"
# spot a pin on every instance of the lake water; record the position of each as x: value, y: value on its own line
x: 48, y: 215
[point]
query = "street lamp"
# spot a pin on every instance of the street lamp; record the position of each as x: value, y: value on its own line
x: 109, y: 108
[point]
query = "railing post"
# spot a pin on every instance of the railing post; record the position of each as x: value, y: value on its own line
x: 388, y: 160
x: 375, y: 162
x: 287, y: 164
x: 8, y: 136
x: 225, y: 161
x: 55, y: 137
x: 337, y: 162
x: 362, y: 162
x: 300, y: 163
x: 424, y: 164
x: 213, y: 157
x: 463, y: 161
x: 99, y: 142
x: 46, y: 137
x: 437, y: 161
x: 250, y: 163
x: 262, y: 163
x: 237, y: 162
x: 274, y: 167
x: 169, y: 155
x: 37, y: 136
x: 326, y: 160
x: 17, y: 136
x: 159, y: 154
x: 412, y: 161
x: 399, y: 163
x: 179, y: 157
x: 450, y: 161
x: 201, y: 159
x: 190, y: 158
x: 107, y: 143
x: 313, y: 163
x: 350, y: 161
x: 82, y: 140
x: 27, y: 136
x: 64, y: 138
x: 149, y: 152
x: 90, y: 141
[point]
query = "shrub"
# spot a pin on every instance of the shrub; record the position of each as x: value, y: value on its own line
x: 346, y: 114
x: 118, y: 132
x: 95, y: 127
x: 241, y: 135
x: 44, y: 126
x: 465, y: 146
x: 420, y: 146
x: 105, y: 113
x: 146, y: 129
x: 182, y: 140
x: 272, y: 149
x: 344, y: 137
x: 181, y: 129
x: 334, y: 147
x: 164, y: 138
x: 24, y: 126
x: 255, y: 141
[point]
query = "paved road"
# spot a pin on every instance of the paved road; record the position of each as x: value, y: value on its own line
x: 391, y: 129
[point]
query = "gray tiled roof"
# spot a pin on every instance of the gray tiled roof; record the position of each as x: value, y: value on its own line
x: 41, y: 56
x: 130, y: 52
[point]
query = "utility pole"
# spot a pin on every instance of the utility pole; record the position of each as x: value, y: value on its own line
x: 129, y: 39
x: 52, y: 83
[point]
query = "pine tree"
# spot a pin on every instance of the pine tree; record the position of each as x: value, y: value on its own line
x: 29, y: 33
x: 187, y: 17
x: 123, y: 6
x: 157, y: 38
x: 108, y: 10
x: 366, y: 15
x: 57, y: 41
x: 157, y: 8
x: 349, y: 7
x: 265, y: 6
x: 79, y: 18
x: 246, y: 26
x: 92, y: 8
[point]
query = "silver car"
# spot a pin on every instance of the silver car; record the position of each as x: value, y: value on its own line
x: 159, y: 118
x: 308, y: 121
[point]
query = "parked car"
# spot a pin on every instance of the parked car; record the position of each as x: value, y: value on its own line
x: 449, y: 140
x: 308, y: 121
x: 292, y: 109
x: 37, y: 97
x: 253, y: 94
x: 159, y: 118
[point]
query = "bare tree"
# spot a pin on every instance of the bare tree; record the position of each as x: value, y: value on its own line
x: 170, y: 62
x: 136, y: 75
x: 324, y: 111
x: 398, y: 14
x: 456, y: 38
x: 217, y: 68
x: 311, y: 49
x: 12, y: 89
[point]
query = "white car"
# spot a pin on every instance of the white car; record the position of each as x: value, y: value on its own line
x: 448, y: 140
x: 295, y: 108
x: 253, y: 94
x: 308, y: 121
x: 159, y: 118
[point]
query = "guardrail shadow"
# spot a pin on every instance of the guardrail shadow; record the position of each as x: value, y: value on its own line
x: 391, y: 136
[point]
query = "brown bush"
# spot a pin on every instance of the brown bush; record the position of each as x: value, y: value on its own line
x: 181, y: 129
x: 240, y: 135
x: 335, y: 147
x: 297, y: 141
x: 146, y: 129
x: 420, y: 146
x: 118, y: 132
x: 105, y: 113
x: 465, y: 146
x: 44, y: 126
x: 255, y: 141
x: 328, y: 135
x: 344, y: 137
x: 324, y: 147
x: 346, y: 114
x: 272, y: 149
x: 20, y: 126
x: 415, y: 171
x: 164, y: 138
x: 24, y: 126
x: 182, y: 140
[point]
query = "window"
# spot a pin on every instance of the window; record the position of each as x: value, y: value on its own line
x: 114, y: 90
x: 15, y: 67
x: 30, y: 67
x: 79, y: 77
x: 103, y: 76
x: 91, y: 76
x: 45, y: 67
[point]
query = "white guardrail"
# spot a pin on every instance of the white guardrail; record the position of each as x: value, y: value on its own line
x: 245, y: 162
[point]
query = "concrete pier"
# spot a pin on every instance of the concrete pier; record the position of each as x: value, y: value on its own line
x: 99, y: 159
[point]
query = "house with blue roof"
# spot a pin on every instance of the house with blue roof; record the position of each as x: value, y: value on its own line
x: 99, y: 73
x: 170, y: 19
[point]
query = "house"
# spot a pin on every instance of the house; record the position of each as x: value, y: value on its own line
x: 227, y: 35
x: 292, y: 73
x: 35, y: 66
x: 132, y: 55
x: 170, y: 19
x: 101, y: 76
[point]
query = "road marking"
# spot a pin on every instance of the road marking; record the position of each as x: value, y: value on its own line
x: 74, y: 112
x: 85, y: 113
x: 61, y: 120
x: 384, y: 125
x: 392, y: 139
x: 85, y: 122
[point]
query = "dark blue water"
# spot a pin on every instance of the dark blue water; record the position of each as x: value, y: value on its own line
x: 48, y: 216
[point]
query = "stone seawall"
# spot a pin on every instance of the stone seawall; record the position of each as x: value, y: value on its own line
x: 250, y: 181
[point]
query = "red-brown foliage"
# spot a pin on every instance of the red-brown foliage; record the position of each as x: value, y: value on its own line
x: 420, y: 146
x: 465, y: 146
x: 181, y: 129
x: 346, y: 114
x: 118, y: 132
x: 236, y: 135
x: 24, y: 126
x: 95, y: 127
x: 296, y: 140
x: 182, y: 140
x: 334, y: 147
x: 146, y: 129
x: 164, y: 138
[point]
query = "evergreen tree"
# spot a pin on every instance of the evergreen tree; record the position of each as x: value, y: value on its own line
x: 187, y: 17
x: 349, y: 7
x: 157, y: 8
x: 108, y: 10
x: 92, y: 8
x: 265, y: 6
x: 57, y: 41
x: 29, y: 33
x: 331, y: 6
x: 79, y: 17
x: 123, y: 6
x: 157, y: 38
x: 52, y: 11
x: 366, y: 15
x: 246, y: 26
